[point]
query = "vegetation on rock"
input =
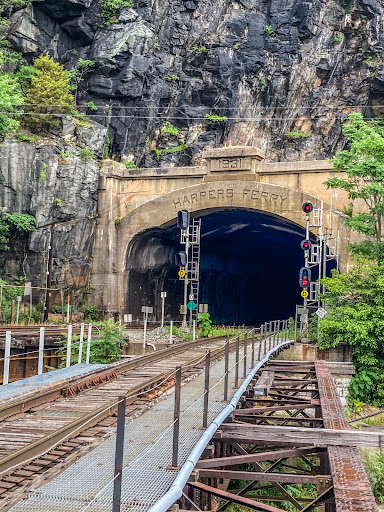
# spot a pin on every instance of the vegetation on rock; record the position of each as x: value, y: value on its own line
x: 49, y: 94
x: 11, y: 99
x: 13, y: 225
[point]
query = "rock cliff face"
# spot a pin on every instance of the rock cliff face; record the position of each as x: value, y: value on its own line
x: 270, y: 67
x: 38, y: 180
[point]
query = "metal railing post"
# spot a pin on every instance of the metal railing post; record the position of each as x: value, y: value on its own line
x: 81, y: 341
x: 237, y: 362
x: 69, y: 343
x: 278, y: 333
x: 41, y: 352
x: 119, y: 455
x: 266, y: 337
x: 226, y: 371
x: 194, y: 330
x: 260, y: 341
x: 170, y: 333
x: 176, y: 417
x: 89, y: 338
x: 7, y: 356
x: 206, y: 389
x: 253, y: 349
x: 245, y: 355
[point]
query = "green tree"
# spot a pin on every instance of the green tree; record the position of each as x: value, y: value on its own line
x: 78, y: 73
x: 11, y: 99
x: 49, y: 94
x: 14, y: 225
x: 355, y: 316
x: 363, y: 163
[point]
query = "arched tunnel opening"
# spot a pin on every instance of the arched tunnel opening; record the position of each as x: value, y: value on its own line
x: 249, y: 267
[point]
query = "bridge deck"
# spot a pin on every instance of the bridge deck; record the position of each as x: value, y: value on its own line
x: 87, y: 485
x: 147, y: 455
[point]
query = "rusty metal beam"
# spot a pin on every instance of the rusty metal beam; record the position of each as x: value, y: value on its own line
x: 299, y: 435
x: 282, y: 478
x: 259, y: 457
x: 233, y: 498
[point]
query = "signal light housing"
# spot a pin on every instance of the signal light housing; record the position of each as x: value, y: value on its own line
x: 306, y: 245
x: 305, y: 277
x: 181, y: 259
x: 183, y: 219
x: 307, y: 207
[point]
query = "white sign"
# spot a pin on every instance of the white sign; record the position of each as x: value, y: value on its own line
x: 27, y: 289
x: 163, y: 295
x: 320, y: 312
x: 128, y: 318
x: 191, y: 296
x: 146, y: 309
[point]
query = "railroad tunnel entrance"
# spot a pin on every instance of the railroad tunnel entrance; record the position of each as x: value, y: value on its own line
x: 248, y: 269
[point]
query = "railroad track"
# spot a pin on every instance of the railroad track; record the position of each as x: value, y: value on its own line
x: 47, y: 428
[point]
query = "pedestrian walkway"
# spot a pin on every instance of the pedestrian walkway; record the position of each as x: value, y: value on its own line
x: 88, y: 484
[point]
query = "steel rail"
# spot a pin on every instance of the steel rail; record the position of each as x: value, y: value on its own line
x: 36, y: 397
x: 87, y: 421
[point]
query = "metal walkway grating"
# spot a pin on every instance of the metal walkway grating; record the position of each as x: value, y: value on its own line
x: 87, y: 485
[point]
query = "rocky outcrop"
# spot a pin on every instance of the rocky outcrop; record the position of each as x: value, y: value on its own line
x: 58, y: 187
x: 270, y: 67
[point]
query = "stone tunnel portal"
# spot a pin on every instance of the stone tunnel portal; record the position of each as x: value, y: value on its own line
x: 248, y: 268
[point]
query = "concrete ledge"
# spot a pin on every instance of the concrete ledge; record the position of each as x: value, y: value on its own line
x: 118, y: 170
x: 295, y: 166
x: 234, y: 151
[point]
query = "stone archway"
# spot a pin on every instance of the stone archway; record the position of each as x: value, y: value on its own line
x: 109, y: 277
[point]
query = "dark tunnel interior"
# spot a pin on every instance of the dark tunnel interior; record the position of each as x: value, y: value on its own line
x: 249, y: 268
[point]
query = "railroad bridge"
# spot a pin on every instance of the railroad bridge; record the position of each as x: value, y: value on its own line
x: 251, y: 217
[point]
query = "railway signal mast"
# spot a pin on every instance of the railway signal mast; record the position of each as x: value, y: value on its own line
x: 189, y: 262
x: 316, y: 254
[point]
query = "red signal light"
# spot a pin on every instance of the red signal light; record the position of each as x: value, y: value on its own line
x: 305, y: 245
x: 305, y: 282
x: 307, y: 207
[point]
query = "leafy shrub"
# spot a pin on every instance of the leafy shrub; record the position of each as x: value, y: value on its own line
x: 269, y: 30
x: 214, y: 118
x: 169, y: 129
x: 297, y: 135
x: 77, y: 74
x: 91, y: 105
x: 374, y: 466
x: 130, y: 164
x: 338, y: 37
x: 205, y: 324
x: 86, y: 154
x: 58, y: 202
x: 172, y: 78
x: 355, y: 301
x: 25, y: 76
x: 64, y: 154
x: 105, y: 346
x: 91, y: 311
x: 109, y: 9
x: 16, y: 223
